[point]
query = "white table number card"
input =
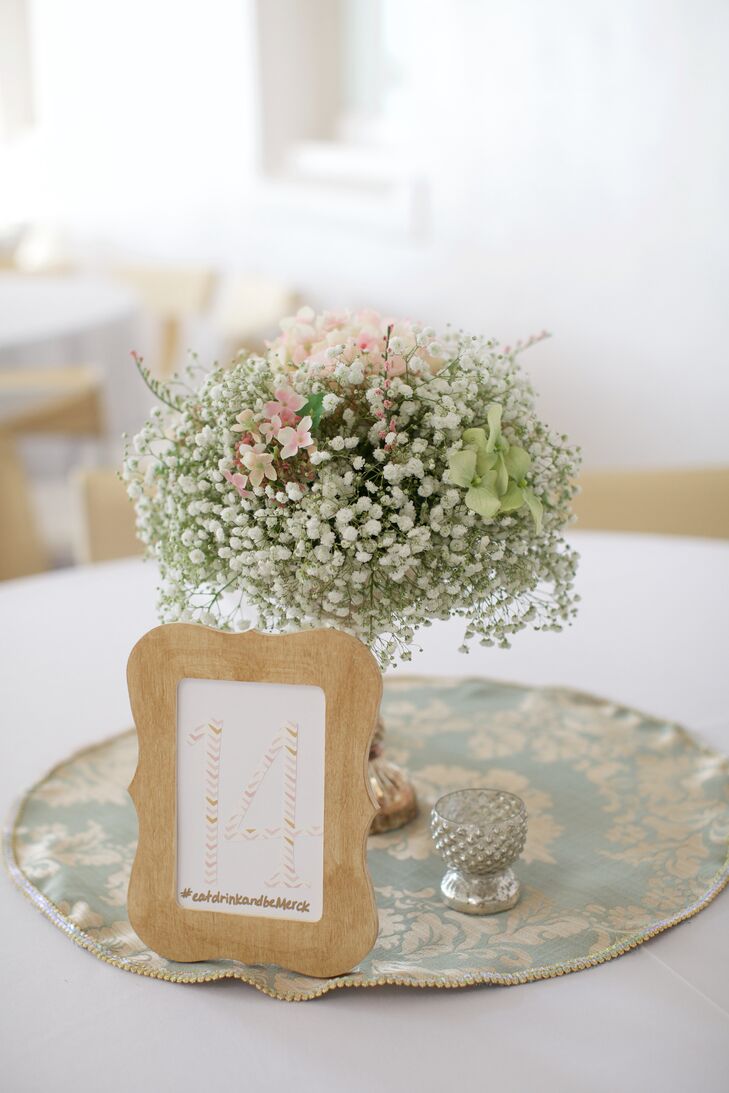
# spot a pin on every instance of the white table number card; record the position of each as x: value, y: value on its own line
x: 252, y: 796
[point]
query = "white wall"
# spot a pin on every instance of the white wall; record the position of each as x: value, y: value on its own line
x: 577, y: 165
x: 146, y: 123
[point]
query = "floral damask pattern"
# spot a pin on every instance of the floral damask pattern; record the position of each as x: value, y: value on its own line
x: 628, y: 829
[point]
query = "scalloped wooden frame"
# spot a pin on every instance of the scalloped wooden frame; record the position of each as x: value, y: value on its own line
x: 352, y: 683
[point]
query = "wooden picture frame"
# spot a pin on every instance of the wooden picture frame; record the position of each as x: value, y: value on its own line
x: 169, y: 672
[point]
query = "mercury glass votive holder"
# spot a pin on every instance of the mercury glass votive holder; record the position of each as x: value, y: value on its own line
x: 479, y: 833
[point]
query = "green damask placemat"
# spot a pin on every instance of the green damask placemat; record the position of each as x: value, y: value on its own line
x: 628, y: 833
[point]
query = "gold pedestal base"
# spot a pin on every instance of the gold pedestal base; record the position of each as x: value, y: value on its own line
x: 392, y: 788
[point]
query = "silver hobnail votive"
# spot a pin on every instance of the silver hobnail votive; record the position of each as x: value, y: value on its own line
x: 479, y: 833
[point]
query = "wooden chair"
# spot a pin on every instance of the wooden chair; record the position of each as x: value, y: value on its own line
x: 684, y: 501
x: 64, y: 400
x: 60, y: 401
x: 170, y: 295
x: 248, y: 310
x: 22, y: 550
x: 106, y: 524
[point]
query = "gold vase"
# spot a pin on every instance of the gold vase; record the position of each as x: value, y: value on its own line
x: 391, y: 786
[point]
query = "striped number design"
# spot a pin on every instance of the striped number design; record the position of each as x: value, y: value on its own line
x: 212, y: 732
x: 285, y: 742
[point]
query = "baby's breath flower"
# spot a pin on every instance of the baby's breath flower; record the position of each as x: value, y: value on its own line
x: 243, y: 521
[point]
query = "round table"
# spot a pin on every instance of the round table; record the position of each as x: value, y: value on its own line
x: 652, y: 633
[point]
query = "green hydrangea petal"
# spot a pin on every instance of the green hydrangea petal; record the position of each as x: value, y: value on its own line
x: 517, y: 462
x: 513, y: 499
x: 493, y: 417
x: 462, y: 466
x: 483, y: 500
x: 502, y: 476
x: 535, y: 507
x: 485, y: 462
x: 475, y: 438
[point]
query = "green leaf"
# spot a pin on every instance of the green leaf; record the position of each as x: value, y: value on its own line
x: 483, y: 500
x: 462, y: 466
x: 475, y: 438
x: 493, y: 416
x: 517, y: 462
x: 535, y: 507
x: 313, y: 408
x: 513, y: 499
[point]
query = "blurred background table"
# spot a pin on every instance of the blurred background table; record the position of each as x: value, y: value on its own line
x: 68, y: 391
x: 652, y: 633
x: 76, y: 319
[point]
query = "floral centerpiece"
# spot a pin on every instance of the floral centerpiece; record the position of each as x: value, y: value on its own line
x: 363, y: 473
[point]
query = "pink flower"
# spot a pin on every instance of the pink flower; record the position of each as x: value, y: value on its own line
x: 362, y: 335
x: 291, y: 440
x: 270, y: 429
x: 260, y: 464
x: 287, y: 403
x: 246, y: 422
x: 240, y: 481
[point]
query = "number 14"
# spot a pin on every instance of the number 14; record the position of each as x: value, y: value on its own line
x: 285, y: 742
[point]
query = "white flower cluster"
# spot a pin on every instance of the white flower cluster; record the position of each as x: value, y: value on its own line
x: 365, y: 475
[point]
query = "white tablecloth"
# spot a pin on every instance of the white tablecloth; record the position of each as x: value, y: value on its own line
x: 652, y: 632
